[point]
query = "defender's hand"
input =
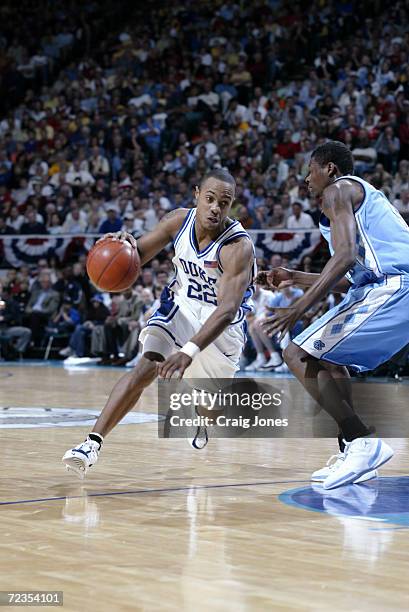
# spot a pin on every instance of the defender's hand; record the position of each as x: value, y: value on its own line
x: 174, y: 366
x: 277, y: 278
x: 281, y: 321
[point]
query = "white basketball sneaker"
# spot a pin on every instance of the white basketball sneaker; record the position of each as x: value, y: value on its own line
x: 200, y: 437
x: 254, y: 365
x: 334, y: 463
x: 80, y: 458
x: 274, y: 361
x: 362, y: 455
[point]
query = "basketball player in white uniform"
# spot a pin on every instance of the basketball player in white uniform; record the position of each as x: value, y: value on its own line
x: 369, y: 244
x: 199, y: 330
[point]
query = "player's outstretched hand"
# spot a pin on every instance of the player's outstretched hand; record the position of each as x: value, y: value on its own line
x: 123, y: 236
x: 281, y: 321
x: 277, y: 278
x: 174, y: 366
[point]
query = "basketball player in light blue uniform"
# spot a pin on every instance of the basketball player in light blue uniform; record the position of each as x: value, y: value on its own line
x: 369, y: 244
x: 199, y: 329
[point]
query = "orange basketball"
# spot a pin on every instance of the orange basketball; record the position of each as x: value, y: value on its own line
x: 113, y: 265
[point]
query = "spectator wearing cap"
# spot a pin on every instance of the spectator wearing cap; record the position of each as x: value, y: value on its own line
x: 129, y: 224
x: 113, y: 222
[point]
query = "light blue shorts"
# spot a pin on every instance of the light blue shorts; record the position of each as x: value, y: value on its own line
x: 367, y: 328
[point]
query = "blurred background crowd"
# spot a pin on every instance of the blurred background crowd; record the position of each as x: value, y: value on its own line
x: 113, y: 111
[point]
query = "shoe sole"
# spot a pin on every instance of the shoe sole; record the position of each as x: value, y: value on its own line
x: 378, y: 464
x: 367, y: 476
x: 272, y: 367
x: 75, y: 465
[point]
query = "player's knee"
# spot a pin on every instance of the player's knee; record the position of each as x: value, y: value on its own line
x: 145, y: 370
x: 292, y: 353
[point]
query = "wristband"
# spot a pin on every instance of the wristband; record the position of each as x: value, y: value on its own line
x: 190, y: 349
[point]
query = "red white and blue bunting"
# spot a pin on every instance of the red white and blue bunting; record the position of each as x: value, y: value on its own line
x: 21, y: 250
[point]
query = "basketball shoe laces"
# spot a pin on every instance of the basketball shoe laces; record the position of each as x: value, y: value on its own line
x: 90, y: 449
x: 334, y: 462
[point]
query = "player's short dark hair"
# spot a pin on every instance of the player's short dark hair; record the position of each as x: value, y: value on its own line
x: 221, y: 175
x: 336, y: 152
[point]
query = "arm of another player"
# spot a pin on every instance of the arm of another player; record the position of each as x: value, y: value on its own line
x: 237, y: 261
x: 151, y: 243
x: 278, y: 278
x: 338, y: 207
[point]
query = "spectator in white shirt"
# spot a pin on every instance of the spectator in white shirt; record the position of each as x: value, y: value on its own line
x: 15, y: 220
x: 99, y: 164
x: 76, y: 221
x: 77, y: 177
x: 299, y: 219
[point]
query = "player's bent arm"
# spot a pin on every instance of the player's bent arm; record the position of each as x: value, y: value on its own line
x: 237, y: 261
x: 338, y: 207
x: 153, y: 242
x: 307, y: 279
x: 280, y: 277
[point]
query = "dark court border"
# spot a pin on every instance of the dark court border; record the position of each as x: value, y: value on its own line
x: 140, y: 491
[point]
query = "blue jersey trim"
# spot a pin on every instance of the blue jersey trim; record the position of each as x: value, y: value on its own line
x: 182, y: 227
x: 226, y: 241
x: 359, y: 223
x: 195, y: 246
x: 165, y: 317
x: 165, y: 330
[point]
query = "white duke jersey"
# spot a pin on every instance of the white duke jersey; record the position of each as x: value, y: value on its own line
x: 382, y: 238
x: 198, y: 273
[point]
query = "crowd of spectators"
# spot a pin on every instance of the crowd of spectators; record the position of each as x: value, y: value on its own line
x: 113, y: 116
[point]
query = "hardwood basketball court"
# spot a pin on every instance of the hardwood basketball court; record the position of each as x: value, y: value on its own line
x: 158, y: 526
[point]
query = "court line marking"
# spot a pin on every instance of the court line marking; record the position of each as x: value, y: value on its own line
x: 54, y: 363
x: 139, y: 491
x: 383, y: 519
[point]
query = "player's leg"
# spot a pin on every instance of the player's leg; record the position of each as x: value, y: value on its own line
x: 122, y: 399
x: 126, y: 393
x: 258, y: 345
x: 325, y: 386
x: 365, y: 330
x: 331, y: 389
x: 330, y: 386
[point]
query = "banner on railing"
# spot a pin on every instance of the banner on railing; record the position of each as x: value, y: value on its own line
x: 20, y: 250
x: 293, y: 245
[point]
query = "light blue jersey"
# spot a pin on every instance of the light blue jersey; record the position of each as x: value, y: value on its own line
x: 371, y: 324
x: 382, y: 237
